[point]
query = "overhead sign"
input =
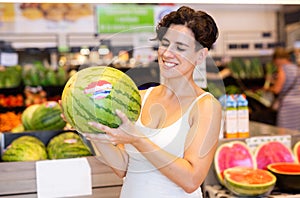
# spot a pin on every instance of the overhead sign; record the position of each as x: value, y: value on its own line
x: 126, y: 18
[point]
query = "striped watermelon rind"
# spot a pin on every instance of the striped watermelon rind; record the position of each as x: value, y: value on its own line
x: 67, y: 145
x: 244, y: 181
x: 232, y: 154
x: 272, y: 152
x: 80, y: 107
x: 27, y: 116
x: 47, y: 116
x: 25, y: 148
x: 296, y: 151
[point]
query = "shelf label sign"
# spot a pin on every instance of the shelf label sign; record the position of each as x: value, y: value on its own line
x: 63, y: 178
x: 8, y: 59
x: 125, y: 18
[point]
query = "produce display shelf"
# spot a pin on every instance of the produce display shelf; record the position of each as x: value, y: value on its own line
x: 213, y: 188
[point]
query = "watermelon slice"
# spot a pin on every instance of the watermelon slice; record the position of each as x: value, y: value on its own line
x: 271, y: 152
x: 232, y: 154
x: 297, y: 151
x: 244, y: 181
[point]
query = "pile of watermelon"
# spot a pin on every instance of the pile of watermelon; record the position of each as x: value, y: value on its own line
x: 67, y: 145
x: 30, y: 148
x: 237, y: 166
x: 45, y: 116
x: 25, y: 148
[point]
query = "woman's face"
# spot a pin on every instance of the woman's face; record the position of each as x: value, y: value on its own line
x: 176, y: 52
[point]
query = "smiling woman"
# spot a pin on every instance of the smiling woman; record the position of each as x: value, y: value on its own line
x: 168, y: 151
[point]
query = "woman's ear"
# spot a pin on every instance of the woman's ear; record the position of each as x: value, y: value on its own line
x: 202, y: 54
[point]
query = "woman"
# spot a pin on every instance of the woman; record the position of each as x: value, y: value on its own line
x: 287, y: 87
x: 169, y: 150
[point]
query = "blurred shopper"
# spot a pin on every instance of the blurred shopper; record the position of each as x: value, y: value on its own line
x: 287, y: 88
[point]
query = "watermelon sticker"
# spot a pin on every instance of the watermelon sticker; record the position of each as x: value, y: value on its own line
x: 98, y: 90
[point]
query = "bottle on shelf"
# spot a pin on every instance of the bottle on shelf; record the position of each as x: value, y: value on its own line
x: 231, y: 117
x: 243, y: 116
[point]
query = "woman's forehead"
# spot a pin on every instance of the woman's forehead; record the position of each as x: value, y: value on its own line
x: 180, y: 32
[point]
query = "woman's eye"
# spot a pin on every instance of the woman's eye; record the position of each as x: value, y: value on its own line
x: 181, y: 49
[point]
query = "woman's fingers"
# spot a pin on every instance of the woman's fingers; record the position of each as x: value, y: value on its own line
x: 122, y: 116
x: 97, y: 137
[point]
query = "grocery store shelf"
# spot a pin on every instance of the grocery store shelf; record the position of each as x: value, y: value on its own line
x: 18, y: 179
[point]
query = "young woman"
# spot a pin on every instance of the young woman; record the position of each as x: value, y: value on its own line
x: 169, y: 150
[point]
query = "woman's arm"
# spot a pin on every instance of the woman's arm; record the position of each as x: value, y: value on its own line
x: 279, y: 82
x: 187, y: 172
x: 111, y: 155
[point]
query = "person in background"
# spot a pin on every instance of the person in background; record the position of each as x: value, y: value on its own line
x: 169, y: 150
x: 286, y: 86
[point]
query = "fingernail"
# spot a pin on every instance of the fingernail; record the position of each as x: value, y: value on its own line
x: 118, y: 111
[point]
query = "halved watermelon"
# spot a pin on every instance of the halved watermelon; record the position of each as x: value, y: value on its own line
x: 271, y: 152
x: 287, y: 174
x: 232, y: 154
x: 244, y: 181
x: 297, y: 151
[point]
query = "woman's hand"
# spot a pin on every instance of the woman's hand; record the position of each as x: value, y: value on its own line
x: 126, y: 133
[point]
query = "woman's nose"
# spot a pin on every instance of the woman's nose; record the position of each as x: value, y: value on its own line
x: 168, y: 52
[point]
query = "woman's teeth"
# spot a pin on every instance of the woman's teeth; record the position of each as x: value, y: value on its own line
x: 170, y: 64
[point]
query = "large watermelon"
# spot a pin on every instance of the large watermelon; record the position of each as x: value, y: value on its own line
x: 296, y: 151
x: 25, y: 148
x: 271, y: 152
x: 244, y: 181
x: 232, y: 154
x: 67, y: 145
x: 94, y: 94
x: 46, y: 116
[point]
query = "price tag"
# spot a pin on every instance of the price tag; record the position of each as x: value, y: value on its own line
x: 8, y: 59
x: 63, y: 178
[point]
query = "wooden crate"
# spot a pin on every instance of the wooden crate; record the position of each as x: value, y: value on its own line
x: 18, y: 179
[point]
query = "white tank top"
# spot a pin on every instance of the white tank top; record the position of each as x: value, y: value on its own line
x: 142, y: 178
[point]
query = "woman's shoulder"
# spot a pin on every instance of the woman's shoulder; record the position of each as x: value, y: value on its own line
x: 206, y: 101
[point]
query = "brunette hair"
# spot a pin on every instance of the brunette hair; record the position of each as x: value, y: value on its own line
x: 281, y: 52
x: 202, y: 25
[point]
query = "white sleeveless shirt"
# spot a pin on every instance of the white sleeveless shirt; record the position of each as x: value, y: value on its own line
x: 143, y: 180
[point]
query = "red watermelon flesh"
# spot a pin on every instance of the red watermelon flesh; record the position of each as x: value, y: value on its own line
x: 271, y: 152
x: 233, y: 154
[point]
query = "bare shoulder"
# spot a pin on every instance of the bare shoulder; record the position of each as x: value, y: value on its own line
x: 207, y: 105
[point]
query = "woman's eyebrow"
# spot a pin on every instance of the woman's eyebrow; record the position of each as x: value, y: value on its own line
x: 180, y: 43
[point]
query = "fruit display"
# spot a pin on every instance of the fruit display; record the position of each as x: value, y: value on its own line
x: 38, y: 146
x: 94, y: 94
x: 9, y: 120
x: 246, y: 68
x: 232, y: 154
x: 67, y: 145
x: 244, y: 181
x: 287, y: 174
x: 10, y: 77
x: 34, y: 95
x: 45, y: 116
x: 9, y: 101
x: 271, y: 152
x: 25, y: 148
x: 39, y: 74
